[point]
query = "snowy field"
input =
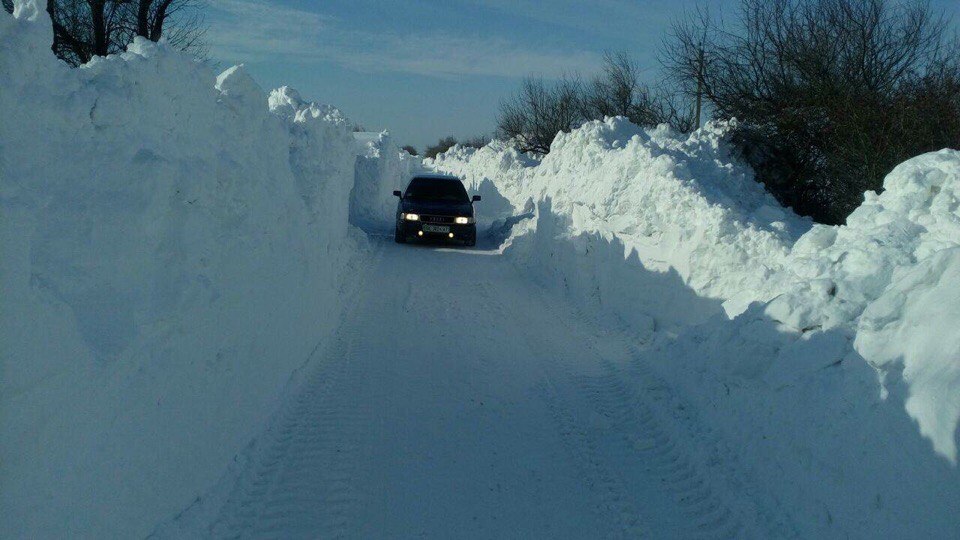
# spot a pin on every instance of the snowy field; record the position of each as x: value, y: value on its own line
x: 206, y: 330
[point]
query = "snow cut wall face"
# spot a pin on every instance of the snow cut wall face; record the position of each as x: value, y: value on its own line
x: 671, y: 204
x: 381, y: 168
x: 171, y: 252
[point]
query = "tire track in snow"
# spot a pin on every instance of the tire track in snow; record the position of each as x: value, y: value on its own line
x: 302, y: 485
x: 613, y: 494
x: 710, y: 507
x: 707, y: 513
x: 769, y: 520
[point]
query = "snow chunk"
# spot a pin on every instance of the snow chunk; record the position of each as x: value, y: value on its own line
x: 916, y: 216
x: 911, y: 333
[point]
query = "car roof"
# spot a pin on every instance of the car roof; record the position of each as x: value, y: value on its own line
x: 435, y: 176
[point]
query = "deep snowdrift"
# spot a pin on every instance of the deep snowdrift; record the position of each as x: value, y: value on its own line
x: 844, y: 391
x: 381, y: 168
x: 177, y: 243
x: 644, y: 199
x: 840, y: 386
x: 174, y: 253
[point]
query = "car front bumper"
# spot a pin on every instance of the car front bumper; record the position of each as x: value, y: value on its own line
x: 414, y: 229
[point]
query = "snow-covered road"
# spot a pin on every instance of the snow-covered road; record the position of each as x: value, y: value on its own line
x: 459, y: 400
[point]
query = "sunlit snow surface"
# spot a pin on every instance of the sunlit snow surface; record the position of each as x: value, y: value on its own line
x: 177, y: 259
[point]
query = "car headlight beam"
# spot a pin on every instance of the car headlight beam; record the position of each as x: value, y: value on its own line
x: 411, y: 217
x: 463, y: 220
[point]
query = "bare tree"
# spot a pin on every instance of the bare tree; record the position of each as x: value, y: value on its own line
x: 534, y: 116
x: 831, y: 93
x: 442, y: 146
x: 410, y: 150
x: 617, y: 91
x: 7, y: 5
x: 83, y: 29
x: 181, y: 22
x: 476, y: 142
x: 687, y: 57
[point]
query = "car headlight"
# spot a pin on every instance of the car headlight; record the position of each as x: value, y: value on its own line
x: 411, y: 217
x: 463, y: 220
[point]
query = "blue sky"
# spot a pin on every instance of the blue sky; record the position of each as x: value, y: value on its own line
x: 426, y: 69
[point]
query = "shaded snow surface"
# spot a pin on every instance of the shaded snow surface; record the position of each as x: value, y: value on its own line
x: 196, y: 342
x: 836, y: 381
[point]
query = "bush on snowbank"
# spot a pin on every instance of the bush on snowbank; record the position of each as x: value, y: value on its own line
x: 172, y: 252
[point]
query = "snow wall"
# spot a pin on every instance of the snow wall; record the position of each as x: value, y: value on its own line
x: 381, y: 168
x: 827, y: 357
x: 174, y: 246
x: 646, y: 199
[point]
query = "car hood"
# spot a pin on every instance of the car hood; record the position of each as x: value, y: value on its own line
x: 437, y: 207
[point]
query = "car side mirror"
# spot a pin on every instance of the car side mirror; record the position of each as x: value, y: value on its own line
x: 476, y: 198
x: 398, y: 193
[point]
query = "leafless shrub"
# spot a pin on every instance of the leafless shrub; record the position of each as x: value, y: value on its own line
x: 442, y: 146
x: 534, y: 116
x: 618, y: 91
x: 476, y: 142
x: 83, y: 29
x: 831, y: 93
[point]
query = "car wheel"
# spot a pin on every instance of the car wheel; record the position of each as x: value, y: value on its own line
x: 472, y: 241
x: 397, y: 237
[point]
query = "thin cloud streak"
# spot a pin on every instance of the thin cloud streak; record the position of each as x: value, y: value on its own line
x: 250, y: 30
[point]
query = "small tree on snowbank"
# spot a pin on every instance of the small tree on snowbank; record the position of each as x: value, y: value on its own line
x: 442, y: 146
x: 532, y: 118
x: 831, y: 94
x: 83, y: 29
x: 618, y: 91
x: 476, y: 142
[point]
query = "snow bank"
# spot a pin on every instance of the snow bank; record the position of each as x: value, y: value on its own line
x: 910, y: 333
x: 381, y: 168
x: 172, y: 252
x: 843, y: 392
x: 836, y: 383
x: 676, y: 208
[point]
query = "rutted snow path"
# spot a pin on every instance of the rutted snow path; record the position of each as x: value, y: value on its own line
x: 460, y: 401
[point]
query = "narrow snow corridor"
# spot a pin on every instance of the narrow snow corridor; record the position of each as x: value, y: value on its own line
x: 460, y: 401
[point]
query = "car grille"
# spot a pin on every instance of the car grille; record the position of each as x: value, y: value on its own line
x: 436, y: 219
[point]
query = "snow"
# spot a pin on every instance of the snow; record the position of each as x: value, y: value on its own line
x: 634, y: 197
x: 909, y: 334
x: 174, y: 252
x: 202, y: 342
x: 826, y: 356
x: 381, y: 168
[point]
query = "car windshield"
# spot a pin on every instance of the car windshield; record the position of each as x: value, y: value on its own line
x: 436, y: 189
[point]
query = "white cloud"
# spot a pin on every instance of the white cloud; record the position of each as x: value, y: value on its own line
x: 250, y: 30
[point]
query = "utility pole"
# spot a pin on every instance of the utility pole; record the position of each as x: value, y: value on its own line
x: 699, y: 84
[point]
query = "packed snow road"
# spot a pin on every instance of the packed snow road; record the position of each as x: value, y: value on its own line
x: 458, y: 400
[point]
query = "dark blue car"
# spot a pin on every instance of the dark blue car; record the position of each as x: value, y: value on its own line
x: 436, y: 207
